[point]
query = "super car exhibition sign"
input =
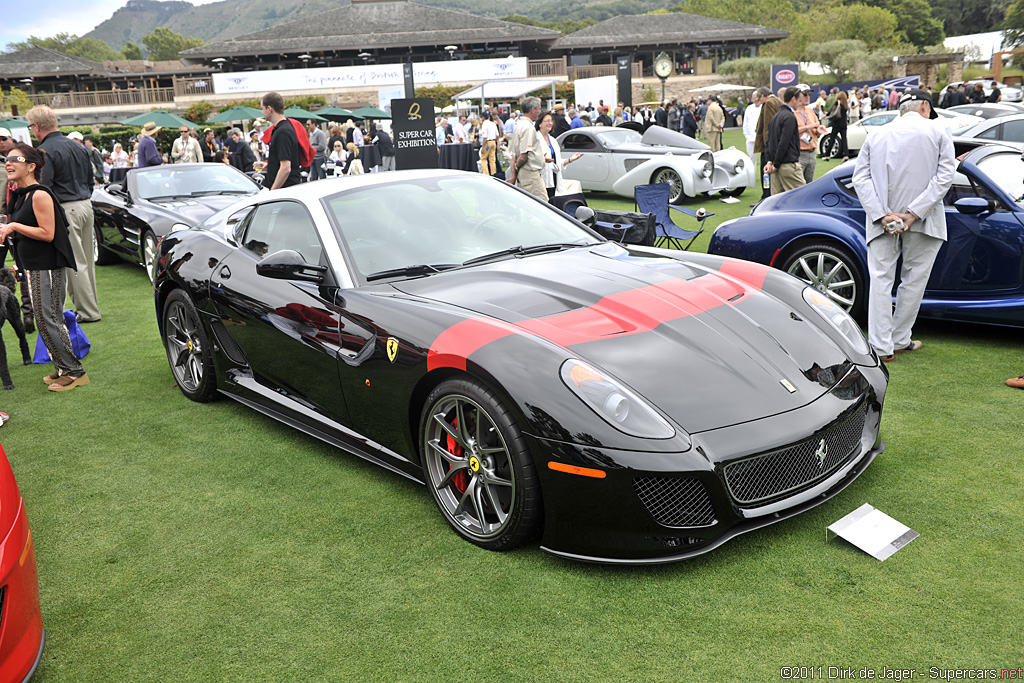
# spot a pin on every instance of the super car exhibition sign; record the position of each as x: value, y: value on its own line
x: 412, y: 123
x: 784, y: 75
x: 370, y: 75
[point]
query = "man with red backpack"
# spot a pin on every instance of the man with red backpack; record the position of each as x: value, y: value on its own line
x: 286, y: 149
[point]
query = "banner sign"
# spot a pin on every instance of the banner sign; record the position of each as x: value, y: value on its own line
x: 900, y: 84
x: 625, y: 72
x: 368, y: 75
x: 784, y: 76
x: 412, y: 122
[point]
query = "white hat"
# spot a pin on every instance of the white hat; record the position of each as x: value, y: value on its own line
x: 75, y: 135
x: 4, y: 133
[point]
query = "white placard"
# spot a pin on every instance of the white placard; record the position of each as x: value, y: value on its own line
x: 873, y: 531
x: 370, y: 75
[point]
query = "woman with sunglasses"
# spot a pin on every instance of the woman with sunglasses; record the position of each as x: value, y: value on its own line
x: 44, y: 252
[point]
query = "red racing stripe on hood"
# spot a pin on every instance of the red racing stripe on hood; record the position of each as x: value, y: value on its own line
x: 630, y: 312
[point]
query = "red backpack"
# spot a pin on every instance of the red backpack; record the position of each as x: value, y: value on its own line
x: 305, y: 150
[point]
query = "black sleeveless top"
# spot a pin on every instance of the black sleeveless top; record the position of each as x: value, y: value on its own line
x: 36, y: 254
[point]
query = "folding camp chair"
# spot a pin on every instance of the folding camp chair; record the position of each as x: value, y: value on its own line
x: 568, y: 202
x: 654, y: 199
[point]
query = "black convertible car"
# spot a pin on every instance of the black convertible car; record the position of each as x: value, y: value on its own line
x: 131, y: 215
x: 627, y: 404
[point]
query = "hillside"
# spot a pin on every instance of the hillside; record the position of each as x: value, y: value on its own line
x: 229, y: 18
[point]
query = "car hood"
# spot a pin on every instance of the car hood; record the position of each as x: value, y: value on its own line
x: 195, y: 210
x: 707, y: 348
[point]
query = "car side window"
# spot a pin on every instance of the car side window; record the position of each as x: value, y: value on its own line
x: 236, y: 223
x: 282, y: 225
x: 578, y: 142
x: 1013, y: 131
x: 990, y: 134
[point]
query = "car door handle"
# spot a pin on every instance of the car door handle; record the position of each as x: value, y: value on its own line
x: 225, y: 272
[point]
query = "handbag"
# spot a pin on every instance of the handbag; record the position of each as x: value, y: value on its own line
x: 80, y: 344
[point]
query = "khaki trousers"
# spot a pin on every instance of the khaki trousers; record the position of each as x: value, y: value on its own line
x: 532, y: 182
x: 488, y: 164
x: 787, y: 177
x: 82, y: 284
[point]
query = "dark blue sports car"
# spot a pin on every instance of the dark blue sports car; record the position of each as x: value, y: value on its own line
x: 816, y: 233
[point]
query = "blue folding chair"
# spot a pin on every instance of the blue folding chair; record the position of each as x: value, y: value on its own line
x: 654, y: 199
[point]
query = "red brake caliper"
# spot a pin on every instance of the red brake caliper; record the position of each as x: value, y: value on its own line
x: 461, y: 478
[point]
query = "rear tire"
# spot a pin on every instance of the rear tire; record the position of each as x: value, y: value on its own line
x: 676, y: 195
x: 833, y: 271
x: 827, y: 146
x: 477, y: 466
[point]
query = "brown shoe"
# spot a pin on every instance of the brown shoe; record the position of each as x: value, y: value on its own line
x: 51, y: 378
x: 67, y: 382
x: 1016, y: 382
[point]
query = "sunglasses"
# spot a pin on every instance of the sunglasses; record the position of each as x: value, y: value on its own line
x: 14, y: 158
x: 4, y: 139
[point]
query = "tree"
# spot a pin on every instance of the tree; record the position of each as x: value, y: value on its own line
x: 163, y: 44
x: 772, y: 13
x: 838, y: 57
x: 748, y: 70
x: 916, y: 23
x: 1013, y: 26
x: 872, y: 25
x: 14, y: 98
x: 131, y: 51
x: 70, y: 44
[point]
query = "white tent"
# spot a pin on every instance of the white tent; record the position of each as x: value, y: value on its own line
x: 504, y: 90
x: 722, y: 87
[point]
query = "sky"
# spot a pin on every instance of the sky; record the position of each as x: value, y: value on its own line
x: 23, y: 19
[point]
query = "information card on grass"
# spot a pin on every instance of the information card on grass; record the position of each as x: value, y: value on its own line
x: 873, y: 531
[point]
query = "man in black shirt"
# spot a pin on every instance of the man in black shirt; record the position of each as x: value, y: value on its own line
x: 783, y: 147
x: 283, y: 157
x: 68, y: 172
x: 386, y: 148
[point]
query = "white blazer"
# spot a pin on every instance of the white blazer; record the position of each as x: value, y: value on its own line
x: 552, y: 179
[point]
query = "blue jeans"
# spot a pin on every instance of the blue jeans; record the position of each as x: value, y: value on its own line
x: 316, y: 171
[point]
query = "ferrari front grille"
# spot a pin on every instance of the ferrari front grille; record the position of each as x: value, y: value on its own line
x: 762, y: 477
x: 676, y: 502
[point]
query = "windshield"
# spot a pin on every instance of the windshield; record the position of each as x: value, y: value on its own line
x: 174, y: 182
x: 443, y: 222
x: 1006, y: 171
x: 618, y: 136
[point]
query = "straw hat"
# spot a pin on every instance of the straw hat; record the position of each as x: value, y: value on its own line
x: 150, y: 129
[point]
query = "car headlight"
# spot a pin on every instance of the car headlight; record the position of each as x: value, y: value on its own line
x: 839, y: 319
x: 617, y: 405
x: 179, y: 226
x: 709, y: 168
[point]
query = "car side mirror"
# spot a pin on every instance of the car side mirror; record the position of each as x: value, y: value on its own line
x: 585, y: 215
x: 973, y: 206
x: 288, y: 264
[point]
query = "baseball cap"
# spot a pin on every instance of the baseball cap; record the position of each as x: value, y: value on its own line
x: 803, y: 87
x: 75, y: 135
x: 4, y: 133
x: 917, y: 95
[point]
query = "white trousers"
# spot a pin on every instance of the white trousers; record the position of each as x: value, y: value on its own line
x: 888, y: 329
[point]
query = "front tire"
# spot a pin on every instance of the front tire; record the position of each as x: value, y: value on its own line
x: 675, y: 184
x: 734, y: 192
x: 827, y: 146
x: 833, y: 271
x: 102, y: 256
x: 477, y: 466
x: 188, y: 349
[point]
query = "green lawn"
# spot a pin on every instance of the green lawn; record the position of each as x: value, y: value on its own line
x: 187, y: 542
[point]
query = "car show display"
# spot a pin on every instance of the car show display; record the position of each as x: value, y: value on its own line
x: 816, y: 233
x: 620, y: 158
x: 625, y: 404
x: 132, y: 214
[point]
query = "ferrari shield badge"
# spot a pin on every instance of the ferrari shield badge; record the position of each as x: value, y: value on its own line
x: 392, y: 347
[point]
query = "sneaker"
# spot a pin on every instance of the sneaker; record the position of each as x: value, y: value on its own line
x: 914, y: 345
x: 4, y: 417
x: 1016, y: 382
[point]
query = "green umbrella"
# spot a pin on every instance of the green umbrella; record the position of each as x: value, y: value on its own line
x: 160, y: 117
x: 371, y: 112
x: 301, y: 114
x: 236, y: 113
x: 336, y: 114
x: 13, y: 123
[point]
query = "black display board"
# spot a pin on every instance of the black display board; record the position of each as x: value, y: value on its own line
x: 410, y: 86
x: 625, y: 72
x: 412, y: 123
x: 784, y: 76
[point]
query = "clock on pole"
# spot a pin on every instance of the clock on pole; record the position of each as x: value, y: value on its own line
x: 663, y: 69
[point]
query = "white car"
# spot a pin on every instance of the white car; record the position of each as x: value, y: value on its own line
x: 857, y: 133
x: 618, y: 159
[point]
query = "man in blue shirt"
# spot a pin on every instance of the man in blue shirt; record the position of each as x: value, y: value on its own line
x: 148, y: 154
x: 574, y: 120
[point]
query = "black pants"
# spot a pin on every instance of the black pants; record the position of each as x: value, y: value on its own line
x: 26, y: 299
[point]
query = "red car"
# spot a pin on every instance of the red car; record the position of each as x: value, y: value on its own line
x: 21, y: 621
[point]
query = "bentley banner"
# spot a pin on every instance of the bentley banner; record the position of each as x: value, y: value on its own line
x: 412, y: 125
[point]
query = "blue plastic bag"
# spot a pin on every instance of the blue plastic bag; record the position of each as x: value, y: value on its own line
x: 79, y: 342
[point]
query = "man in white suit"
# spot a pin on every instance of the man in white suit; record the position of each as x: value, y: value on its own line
x: 903, y: 172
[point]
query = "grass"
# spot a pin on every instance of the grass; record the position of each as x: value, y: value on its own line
x: 187, y: 542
